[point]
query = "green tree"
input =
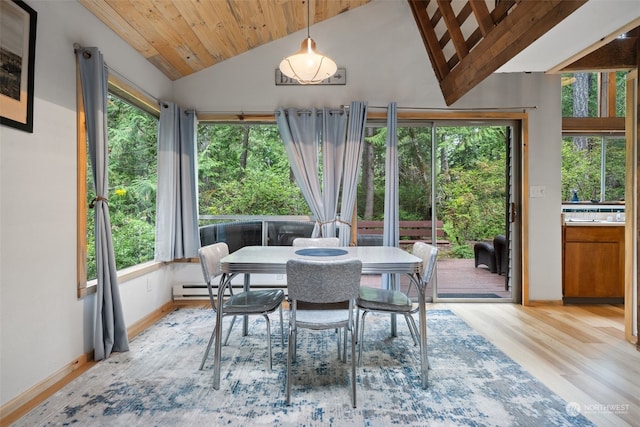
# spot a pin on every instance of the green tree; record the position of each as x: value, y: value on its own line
x: 132, y: 137
x: 243, y: 170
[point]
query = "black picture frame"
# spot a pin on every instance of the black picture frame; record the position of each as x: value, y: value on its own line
x: 17, y: 64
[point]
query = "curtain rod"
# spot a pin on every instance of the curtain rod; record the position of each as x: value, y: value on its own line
x: 534, y: 107
x: 242, y: 114
x: 340, y: 110
x: 117, y: 74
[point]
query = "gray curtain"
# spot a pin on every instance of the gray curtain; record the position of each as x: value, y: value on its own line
x: 177, y: 194
x: 110, y: 333
x: 303, y: 132
x: 352, y: 159
x: 391, y: 232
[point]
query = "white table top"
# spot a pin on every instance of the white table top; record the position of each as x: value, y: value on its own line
x: 273, y: 259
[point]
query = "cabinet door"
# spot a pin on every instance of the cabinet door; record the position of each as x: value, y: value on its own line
x: 593, y: 269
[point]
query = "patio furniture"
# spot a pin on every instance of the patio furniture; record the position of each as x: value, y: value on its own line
x: 484, y: 254
x: 370, y: 232
x: 500, y: 247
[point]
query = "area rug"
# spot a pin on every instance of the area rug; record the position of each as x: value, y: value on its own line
x: 157, y: 383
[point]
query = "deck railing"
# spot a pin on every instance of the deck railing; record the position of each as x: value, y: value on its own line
x: 244, y: 230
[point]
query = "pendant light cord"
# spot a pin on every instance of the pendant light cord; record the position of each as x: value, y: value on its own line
x: 308, y: 19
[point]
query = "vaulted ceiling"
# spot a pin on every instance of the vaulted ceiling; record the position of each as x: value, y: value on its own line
x: 465, y: 40
x: 181, y: 37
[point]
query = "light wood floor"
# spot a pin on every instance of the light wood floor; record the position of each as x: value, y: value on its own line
x: 578, y: 351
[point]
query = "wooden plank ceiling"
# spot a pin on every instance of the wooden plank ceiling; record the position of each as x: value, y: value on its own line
x: 181, y: 37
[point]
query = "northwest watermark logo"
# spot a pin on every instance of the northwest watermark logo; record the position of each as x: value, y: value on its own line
x: 574, y: 409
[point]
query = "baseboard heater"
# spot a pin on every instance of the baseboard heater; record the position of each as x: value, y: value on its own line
x: 198, y: 291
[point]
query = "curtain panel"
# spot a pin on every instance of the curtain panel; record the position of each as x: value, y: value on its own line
x: 391, y: 233
x: 177, y: 234
x: 110, y: 332
x: 352, y: 160
x: 334, y: 139
x: 303, y: 132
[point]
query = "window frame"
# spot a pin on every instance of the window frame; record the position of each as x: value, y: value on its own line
x: 117, y: 86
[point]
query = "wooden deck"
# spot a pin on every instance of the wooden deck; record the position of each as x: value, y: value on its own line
x: 459, y: 278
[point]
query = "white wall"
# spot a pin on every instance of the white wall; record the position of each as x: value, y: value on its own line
x: 43, y: 325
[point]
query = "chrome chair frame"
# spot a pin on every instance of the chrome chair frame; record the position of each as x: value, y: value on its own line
x: 391, y: 301
x: 260, y: 302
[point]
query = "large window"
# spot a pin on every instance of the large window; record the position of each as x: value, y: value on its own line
x: 593, y: 144
x: 132, y: 135
x: 244, y: 170
x: 593, y: 94
x: 594, y: 168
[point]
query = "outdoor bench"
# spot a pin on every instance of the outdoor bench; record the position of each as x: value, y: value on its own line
x: 370, y: 232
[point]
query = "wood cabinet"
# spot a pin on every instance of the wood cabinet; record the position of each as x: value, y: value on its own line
x: 593, y: 264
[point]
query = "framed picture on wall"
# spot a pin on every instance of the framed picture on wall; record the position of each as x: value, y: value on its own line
x: 17, y: 62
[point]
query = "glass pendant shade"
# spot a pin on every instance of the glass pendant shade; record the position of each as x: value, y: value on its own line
x: 308, y: 66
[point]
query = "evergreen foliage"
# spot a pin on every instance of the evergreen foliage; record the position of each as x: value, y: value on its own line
x: 133, y: 145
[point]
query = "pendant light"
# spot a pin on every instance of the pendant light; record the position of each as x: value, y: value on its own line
x: 308, y: 66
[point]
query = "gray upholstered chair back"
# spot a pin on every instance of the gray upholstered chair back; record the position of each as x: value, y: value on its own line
x: 310, y: 242
x: 429, y: 254
x: 210, y: 257
x: 323, y: 281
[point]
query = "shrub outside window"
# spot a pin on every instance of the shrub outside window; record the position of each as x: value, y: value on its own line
x: 132, y: 135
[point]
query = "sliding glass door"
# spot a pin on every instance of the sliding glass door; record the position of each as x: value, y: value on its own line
x: 462, y: 179
x: 475, y: 175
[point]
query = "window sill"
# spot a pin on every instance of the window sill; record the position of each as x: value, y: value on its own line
x: 124, y: 276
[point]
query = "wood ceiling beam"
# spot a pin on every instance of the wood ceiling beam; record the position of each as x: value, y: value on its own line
x: 429, y: 38
x: 619, y: 54
x: 525, y: 24
x: 501, y: 10
x: 481, y: 12
x: 453, y: 28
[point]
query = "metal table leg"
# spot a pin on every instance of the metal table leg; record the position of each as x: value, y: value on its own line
x: 245, y: 321
x: 218, y: 331
x: 422, y: 318
x: 395, y: 285
x: 424, y: 362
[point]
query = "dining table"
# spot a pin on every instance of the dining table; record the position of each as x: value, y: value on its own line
x: 376, y: 260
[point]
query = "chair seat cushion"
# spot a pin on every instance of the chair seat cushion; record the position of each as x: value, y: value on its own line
x: 254, y: 301
x: 383, y: 299
x: 322, y: 319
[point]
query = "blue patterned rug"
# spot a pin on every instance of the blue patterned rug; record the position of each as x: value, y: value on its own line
x: 157, y: 383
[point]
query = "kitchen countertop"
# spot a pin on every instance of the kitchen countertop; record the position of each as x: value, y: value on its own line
x: 592, y: 223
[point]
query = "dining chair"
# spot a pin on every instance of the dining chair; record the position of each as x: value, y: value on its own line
x: 394, y: 301
x: 318, y: 242
x: 321, y: 281
x: 322, y: 242
x: 259, y: 302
